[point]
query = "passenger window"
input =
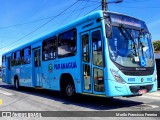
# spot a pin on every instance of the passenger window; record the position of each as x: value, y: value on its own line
x: 49, y: 48
x: 37, y: 59
x: 4, y: 61
x: 26, y: 55
x: 16, y: 58
x: 97, y: 48
x: 85, y: 47
x: 67, y: 43
x: 13, y: 62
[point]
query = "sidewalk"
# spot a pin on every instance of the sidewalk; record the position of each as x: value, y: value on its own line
x: 155, y: 94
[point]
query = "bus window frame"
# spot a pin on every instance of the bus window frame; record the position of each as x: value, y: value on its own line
x: 102, y: 55
x: 23, y: 62
x: 54, y: 39
x: 75, y: 39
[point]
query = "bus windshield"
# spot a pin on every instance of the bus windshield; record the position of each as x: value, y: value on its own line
x: 130, y: 48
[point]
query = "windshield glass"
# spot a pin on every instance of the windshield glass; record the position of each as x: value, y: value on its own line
x: 130, y: 48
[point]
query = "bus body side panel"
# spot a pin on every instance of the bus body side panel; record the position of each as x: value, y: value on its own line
x: 4, y: 71
x: 15, y: 71
x: 54, y: 69
x: 26, y: 75
x: 47, y: 75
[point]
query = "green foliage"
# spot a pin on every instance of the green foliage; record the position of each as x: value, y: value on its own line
x: 156, y: 45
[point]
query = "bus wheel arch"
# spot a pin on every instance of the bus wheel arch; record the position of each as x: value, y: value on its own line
x: 67, y: 86
x: 16, y: 82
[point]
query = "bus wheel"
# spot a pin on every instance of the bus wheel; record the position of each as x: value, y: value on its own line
x: 16, y: 84
x: 68, y: 90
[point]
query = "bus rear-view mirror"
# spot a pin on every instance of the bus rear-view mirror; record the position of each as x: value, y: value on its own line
x: 108, y: 31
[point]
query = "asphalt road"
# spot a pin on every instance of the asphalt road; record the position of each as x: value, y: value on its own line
x: 29, y: 99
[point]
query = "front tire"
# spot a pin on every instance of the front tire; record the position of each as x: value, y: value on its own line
x: 68, y: 90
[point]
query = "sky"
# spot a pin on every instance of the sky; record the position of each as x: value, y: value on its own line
x: 22, y: 21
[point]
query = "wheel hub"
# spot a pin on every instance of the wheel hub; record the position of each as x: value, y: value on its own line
x: 69, y: 90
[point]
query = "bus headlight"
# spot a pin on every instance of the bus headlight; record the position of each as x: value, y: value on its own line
x: 155, y: 78
x: 117, y: 77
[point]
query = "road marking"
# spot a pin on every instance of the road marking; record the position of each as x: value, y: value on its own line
x: 1, y: 101
x: 5, y: 93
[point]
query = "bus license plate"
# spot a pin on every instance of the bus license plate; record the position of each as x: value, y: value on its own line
x: 142, y: 91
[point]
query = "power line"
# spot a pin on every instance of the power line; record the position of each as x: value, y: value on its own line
x: 40, y: 26
x: 154, y: 7
x: 138, y: 0
x: 20, y: 24
x: 82, y: 9
x: 93, y: 9
x: 90, y: 1
x: 70, y: 14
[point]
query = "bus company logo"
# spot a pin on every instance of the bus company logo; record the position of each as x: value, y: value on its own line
x: 50, y: 67
x: 141, y: 69
x: 142, y: 80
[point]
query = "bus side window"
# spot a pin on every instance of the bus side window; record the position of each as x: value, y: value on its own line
x: 12, y: 59
x: 49, y: 48
x: 67, y: 43
x: 4, y: 61
x: 18, y: 57
x: 26, y: 55
x: 85, y: 47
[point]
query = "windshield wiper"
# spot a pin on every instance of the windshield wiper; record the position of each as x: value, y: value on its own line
x: 122, y: 27
x: 139, y: 41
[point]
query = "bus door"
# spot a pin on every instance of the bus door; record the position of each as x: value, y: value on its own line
x: 8, y: 70
x: 37, y: 67
x: 92, y: 62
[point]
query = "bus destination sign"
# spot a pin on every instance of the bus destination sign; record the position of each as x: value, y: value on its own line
x: 121, y: 19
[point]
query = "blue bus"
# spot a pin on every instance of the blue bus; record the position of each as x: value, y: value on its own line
x: 0, y: 71
x: 102, y: 54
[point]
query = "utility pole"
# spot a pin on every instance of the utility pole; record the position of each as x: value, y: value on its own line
x: 104, y: 5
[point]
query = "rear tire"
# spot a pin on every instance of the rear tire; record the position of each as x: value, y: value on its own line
x: 16, y: 84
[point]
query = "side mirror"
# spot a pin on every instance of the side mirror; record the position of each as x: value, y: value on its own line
x: 150, y: 36
x: 108, y: 30
x: 141, y: 33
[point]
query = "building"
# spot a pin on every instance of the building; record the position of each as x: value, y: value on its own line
x: 157, y: 59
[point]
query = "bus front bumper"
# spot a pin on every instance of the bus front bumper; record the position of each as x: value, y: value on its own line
x: 114, y: 89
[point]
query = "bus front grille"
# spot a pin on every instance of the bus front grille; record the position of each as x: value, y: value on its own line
x: 135, y: 89
x: 138, y: 73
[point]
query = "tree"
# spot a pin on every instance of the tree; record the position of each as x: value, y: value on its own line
x: 156, y: 45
